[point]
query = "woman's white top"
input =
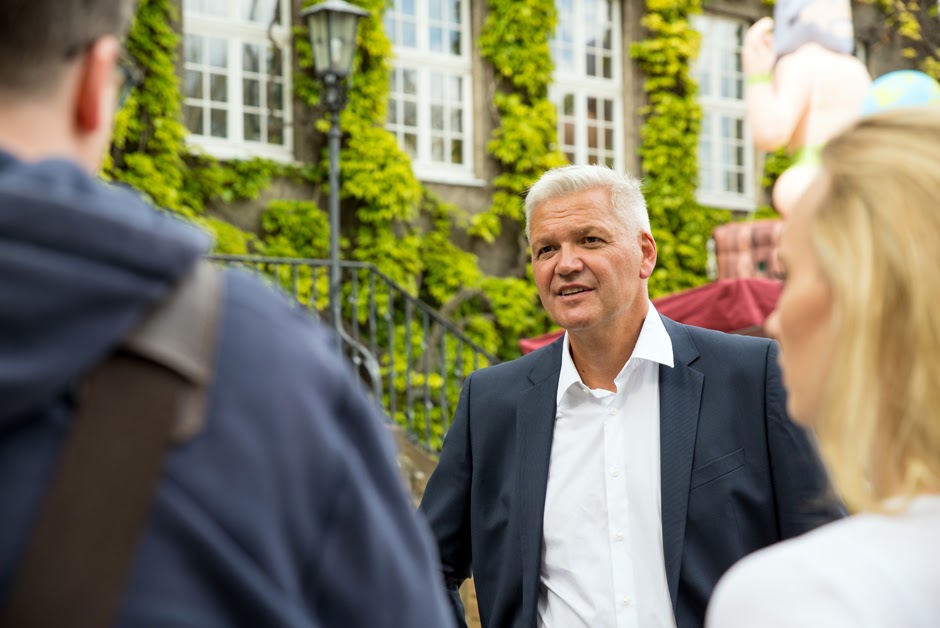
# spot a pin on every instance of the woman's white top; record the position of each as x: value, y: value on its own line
x: 872, y: 570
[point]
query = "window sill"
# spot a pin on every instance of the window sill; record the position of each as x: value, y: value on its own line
x: 447, y: 177
x: 226, y: 149
x: 726, y: 201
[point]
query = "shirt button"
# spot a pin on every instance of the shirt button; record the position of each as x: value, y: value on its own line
x: 625, y: 601
x: 612, y: 410
x: 619, y: 536
x: 614, y: 471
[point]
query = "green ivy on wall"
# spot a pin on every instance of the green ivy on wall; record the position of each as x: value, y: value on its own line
x: 399, y: 225
x: 149, y: 149
x: 669, y: 146
x: 515, y: 41
x: 906, y: 18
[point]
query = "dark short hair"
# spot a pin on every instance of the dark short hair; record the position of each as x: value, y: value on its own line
x: 38, y: 36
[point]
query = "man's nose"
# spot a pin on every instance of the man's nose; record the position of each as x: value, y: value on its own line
x: 569, y: 261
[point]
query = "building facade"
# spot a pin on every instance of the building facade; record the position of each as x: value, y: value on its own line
x: 238, y: 66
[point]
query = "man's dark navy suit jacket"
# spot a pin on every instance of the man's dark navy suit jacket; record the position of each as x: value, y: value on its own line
x: 737, y: 474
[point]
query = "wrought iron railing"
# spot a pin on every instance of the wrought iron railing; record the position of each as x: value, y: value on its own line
x: 412, y: 359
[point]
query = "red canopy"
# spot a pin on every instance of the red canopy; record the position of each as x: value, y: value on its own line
x: 737, y: 306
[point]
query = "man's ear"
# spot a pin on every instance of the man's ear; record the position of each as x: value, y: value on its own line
x: 648, y: 252
x: 96, y: 85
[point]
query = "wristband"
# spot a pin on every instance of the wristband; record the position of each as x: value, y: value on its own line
x: 759, y: 78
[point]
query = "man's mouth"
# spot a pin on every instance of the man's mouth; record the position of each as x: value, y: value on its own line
x: 569, y: 291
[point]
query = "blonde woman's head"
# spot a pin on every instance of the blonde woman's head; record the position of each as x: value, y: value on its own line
x: 859, y: 336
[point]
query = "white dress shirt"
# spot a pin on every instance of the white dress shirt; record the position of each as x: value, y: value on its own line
x: 602, y: 544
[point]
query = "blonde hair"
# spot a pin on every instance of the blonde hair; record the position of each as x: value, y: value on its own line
x: 876, y: 234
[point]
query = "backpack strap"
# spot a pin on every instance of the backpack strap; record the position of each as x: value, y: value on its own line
x: 148, y: 394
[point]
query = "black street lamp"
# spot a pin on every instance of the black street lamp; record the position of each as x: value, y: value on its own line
x: 333, y: 25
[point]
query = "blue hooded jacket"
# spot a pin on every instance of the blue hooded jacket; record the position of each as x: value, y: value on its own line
x: 286, y: 510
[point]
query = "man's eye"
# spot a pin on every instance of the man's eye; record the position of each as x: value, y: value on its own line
x: 545, y: 250
x: 591, y: 240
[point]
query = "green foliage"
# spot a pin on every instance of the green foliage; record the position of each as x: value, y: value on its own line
x: 515, y: 40
x: 524, y: 142
x: 149, y: 137
x: 907, y: 19
x: 668, y: 153
x: 149, y: 151
x: 227, y: 237
x: 295, y: 229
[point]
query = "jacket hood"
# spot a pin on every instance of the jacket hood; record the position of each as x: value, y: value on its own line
x: 80, y: 263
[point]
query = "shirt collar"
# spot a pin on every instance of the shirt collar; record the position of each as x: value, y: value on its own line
x: 653, y: 345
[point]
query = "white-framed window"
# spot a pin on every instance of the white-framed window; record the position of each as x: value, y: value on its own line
x: 236, y: 77
x: 430, y: 108
x: 588, y: 81
x: 725, y: 149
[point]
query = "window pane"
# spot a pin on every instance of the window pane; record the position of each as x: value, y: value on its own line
x: 192, y: 118
x: 218, y: 87
x: 193, y: 84
x: 437, y: 118
x: 411, y: 144
x: 437, y: 86
x: 568, y: 107
x: 456, y: 120
x: 437, y: 149
x: 252, y: 127
x: 251, y: 58
x: 276, y: 97
x: 411, y: 114
x: 456, y: 152
x: 251, y: 93
x: 409, y: 36
x: 192, y: 49
x: 261, y: 11
x: 217, y: 7
x: 411, y: 87
x: 218, y: 53
x: 218, y: 123
x: 569, y: 134
x: 435, y: 10
x: 436, y: 40
x: 275, y: 130
x: 275, y: 61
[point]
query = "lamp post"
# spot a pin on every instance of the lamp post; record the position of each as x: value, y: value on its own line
x: 333, y: 26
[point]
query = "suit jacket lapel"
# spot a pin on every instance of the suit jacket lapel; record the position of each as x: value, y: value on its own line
x: 680, y: 395
x: 535, y: 425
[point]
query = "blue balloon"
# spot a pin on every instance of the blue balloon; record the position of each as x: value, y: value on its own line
x: 901, y: 88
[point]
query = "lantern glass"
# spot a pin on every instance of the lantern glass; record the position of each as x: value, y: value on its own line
x: 333, y: 25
